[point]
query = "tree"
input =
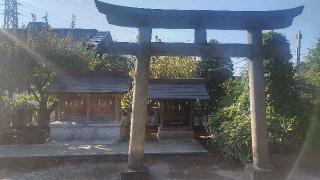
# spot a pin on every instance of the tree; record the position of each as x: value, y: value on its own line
x: 280, y: 79
x: 11, y: 65
x: 112, y: 63
x: 230, y: 125
x: 310, y: 70
x: 54, y: 54
x: 37, y: 60
x: 310, y: 73
x: 216, y: 71
x: 165, y: 67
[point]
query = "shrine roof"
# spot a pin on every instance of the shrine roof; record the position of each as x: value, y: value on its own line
x: 192, y: 19
x: 177, y: 89
x: 90, y: 82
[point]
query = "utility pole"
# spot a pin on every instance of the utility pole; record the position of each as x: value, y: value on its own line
x: 10, y: 14
x: 299, y: 38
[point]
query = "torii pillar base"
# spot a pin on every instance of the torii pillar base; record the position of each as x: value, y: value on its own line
x: 135, y: 174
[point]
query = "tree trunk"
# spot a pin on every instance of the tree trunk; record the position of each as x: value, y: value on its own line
x: 44, y: 114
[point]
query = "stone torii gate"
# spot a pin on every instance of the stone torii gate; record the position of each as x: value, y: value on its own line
x: 254, y: 22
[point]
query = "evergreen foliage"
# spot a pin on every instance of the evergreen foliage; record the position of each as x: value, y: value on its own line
x: 231, y: 123
x: 216, y: 71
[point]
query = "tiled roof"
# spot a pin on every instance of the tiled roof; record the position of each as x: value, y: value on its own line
x: 177, y: 89
x: 90, y: 82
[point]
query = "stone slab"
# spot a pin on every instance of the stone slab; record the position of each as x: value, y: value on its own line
x: 69, y: 130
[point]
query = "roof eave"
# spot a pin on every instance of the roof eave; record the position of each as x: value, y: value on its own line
x: 181, y: 98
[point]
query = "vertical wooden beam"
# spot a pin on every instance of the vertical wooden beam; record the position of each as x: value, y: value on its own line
x: 140, y: 100
x: 190, y: 102
x: 257, y: 103
x: 117, y: 108
x: 59, y: 113
x: 56, y: 112
x: 88, y: 108
x: 162, y: 104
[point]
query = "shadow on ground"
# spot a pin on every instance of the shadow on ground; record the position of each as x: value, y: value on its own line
x: 164, y: 167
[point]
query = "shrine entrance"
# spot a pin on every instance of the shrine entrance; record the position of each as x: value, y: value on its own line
x: 254, y: 22
x: 176, y: 114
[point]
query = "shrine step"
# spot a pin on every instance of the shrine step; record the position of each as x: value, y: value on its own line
x: 175, y: 134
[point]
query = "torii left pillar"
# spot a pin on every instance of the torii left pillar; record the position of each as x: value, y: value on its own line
x: 139, y: 107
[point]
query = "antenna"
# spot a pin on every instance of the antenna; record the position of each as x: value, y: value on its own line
x: 73, y: 22
x: 11, y: 14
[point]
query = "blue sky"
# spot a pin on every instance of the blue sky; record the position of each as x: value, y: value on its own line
x: 87, y: 16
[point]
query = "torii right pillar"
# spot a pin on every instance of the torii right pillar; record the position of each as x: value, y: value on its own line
x: 260, y: 148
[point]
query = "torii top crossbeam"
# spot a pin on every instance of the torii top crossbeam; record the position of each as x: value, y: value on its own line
x: 194, y: 19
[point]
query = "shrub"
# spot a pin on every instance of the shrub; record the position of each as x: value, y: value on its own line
x: 17, y: 113
x: 5, y: 119
x: 313, y: 133
x: 286, y: 110
x: 23, y: 108
x: 231, y: 125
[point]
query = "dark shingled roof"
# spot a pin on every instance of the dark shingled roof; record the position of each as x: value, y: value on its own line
x: 94, y: 38
x: 90, y: 82
x: 177, y: 89
x: 99, y: 41
x: 78, y: 35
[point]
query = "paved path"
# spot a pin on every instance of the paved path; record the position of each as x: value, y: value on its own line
x: 172, y: 146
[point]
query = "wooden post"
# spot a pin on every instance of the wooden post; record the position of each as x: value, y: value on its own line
x: 191, y: 113
x: 56, y: 112
x: 117, y: 109
x: 162, y: 106
x: 88, y: 107
x: 59, y: 113
x: 257, y: 103
x: 139, y: 104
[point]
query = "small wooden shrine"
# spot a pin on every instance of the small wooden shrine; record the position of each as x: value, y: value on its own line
x: 88, y: 105
x: 175, y: 98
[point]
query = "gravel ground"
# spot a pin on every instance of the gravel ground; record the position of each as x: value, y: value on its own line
x: 189, y: 167
x: 160, y: 167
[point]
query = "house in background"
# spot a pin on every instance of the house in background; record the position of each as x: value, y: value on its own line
x: 88, y: 105
x: 93, y: 38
